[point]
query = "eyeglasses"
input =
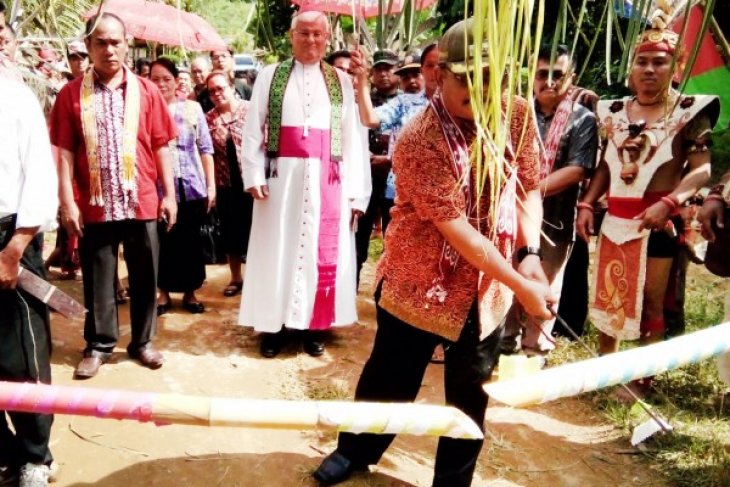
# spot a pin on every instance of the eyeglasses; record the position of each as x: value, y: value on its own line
x: 317, y: 35
x: 463, y: 78
x: 557, y: 74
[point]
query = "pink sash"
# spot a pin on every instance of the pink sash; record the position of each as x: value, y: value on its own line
x: 316, y: 145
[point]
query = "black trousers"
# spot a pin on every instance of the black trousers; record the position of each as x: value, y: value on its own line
x: 376, y: 207
x: 25, y: 354
x: 394, y: 373
x: 573, y: 307
x: 182, y: 264
x: 98, y: 249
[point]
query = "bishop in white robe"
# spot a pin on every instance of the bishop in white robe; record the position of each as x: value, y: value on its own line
x: 300, y: 271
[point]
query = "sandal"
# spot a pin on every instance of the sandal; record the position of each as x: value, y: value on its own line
x: 232, y: 289
x: 122, y: 295
x: 439, y: 355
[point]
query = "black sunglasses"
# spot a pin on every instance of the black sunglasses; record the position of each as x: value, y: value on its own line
x: 542, y: 74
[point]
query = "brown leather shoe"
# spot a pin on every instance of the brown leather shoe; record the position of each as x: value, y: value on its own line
x: 88, y: 367
x: 149, y: 357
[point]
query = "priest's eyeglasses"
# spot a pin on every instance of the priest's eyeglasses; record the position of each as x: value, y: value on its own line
x: 316, y: 35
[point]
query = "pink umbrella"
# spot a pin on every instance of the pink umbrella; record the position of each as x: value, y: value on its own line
x: 362, y: 8
x: 163, y: 23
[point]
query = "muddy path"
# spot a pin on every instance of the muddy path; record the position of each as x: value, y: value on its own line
x: 564, y: 443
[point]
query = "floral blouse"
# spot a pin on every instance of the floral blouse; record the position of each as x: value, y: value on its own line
x: 221, y: 131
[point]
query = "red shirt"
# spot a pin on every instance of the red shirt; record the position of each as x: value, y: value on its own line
x: 156, y: 129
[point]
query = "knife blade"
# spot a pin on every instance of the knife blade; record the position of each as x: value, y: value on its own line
x: 50, y: 295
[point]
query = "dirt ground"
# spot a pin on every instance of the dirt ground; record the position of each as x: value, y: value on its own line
x: 564, y: 443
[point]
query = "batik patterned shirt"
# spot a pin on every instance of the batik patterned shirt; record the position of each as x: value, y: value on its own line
x: 427, y: 194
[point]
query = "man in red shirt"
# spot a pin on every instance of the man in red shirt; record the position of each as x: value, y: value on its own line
x: 112, y: 130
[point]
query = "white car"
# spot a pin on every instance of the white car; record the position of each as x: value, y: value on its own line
x: 243, y: 63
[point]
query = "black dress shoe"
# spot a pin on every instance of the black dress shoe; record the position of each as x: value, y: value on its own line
x: 163, y: 308
x: 194, y: 307
x: 271, y: 344
x: 336, y: 468
x: 314, y: 344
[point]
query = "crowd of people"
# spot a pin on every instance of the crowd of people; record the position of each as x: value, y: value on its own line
x: 301, y: 169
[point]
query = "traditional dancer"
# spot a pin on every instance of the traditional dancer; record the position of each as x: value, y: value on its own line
x: 304, y: 163
x: 655, y: 156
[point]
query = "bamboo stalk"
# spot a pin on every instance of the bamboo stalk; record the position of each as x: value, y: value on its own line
x: 616, y: 368
x: 355, y: 417
x: 721, y: 40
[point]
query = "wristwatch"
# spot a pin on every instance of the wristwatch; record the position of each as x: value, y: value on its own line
x: 525, y: 251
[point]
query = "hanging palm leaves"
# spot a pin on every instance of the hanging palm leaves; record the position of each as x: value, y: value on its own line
x: 59, y: 19
x: 507, y: 31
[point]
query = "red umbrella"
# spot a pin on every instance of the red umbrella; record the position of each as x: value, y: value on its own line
x: 163, y: 23
x: 362, y: 8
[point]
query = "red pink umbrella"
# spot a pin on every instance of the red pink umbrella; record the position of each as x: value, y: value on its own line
x: 158, y: 22
x: 361, y: 8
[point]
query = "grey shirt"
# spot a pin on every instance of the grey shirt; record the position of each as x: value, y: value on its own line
x: 577, y: 147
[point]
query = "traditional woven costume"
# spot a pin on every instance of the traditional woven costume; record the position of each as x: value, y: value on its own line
x: 302, y: 140
x: 634, y: 151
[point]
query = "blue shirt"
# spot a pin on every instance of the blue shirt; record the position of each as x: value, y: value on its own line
x: 394, y: 115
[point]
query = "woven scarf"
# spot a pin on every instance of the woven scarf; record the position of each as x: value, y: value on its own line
x: 276, y: 105
x: 461, y: 169
x: 552, y: 141
x: 132, y: 102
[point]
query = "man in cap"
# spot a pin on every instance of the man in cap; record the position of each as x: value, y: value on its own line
x: 423, y: 299
x: 385, y: 87
x: 393, y: 115
x: 78, y: 58
x: 654, y: 157
x: 304, y: 163
x: 112, y: 129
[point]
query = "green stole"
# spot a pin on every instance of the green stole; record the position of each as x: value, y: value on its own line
x: 276, y: 104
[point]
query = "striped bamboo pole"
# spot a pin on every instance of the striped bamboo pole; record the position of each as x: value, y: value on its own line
x: 355, y: 417
x: 617, y: 368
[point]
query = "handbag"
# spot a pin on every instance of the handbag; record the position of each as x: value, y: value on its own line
x: 210, y: 233
x: 717, y: 259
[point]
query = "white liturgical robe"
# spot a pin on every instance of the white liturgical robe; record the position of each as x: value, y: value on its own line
x: 294, y: 230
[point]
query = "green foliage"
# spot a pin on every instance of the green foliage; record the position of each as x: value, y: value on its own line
x: 452, y: 12
x: 720, y: 153
x: 48, y: 18
x: 270, y: 26
x: 693, y: 398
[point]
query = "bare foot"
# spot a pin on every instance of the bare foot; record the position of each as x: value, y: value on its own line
x: 439, y: 355
x: 640, y: 387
